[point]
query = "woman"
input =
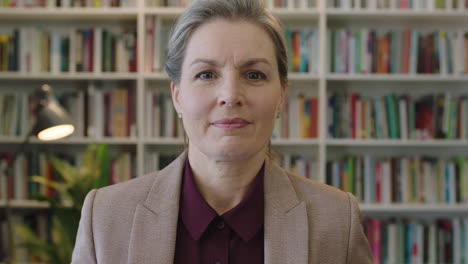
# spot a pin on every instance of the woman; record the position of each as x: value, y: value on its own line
x: 223, y: 200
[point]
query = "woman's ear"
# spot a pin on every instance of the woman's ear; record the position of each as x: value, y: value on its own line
x: 175, y: 97
x: 282, y: 98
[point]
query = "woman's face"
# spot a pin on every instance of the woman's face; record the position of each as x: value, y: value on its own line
x: 229, y: 92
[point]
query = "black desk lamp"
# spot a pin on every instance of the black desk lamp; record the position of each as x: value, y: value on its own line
x: 52, y: 123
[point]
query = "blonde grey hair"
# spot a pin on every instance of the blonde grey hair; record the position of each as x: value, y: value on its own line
x: 203, y: 11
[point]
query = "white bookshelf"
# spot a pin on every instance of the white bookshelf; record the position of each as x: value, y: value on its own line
x: 397, y: 143
x: 68, y: 76
x: 320, y: 18
x: 389, y: 78
x: 25, y: 204
x: 72, y: 141
x: 450, y: 16
x: 414, y: 210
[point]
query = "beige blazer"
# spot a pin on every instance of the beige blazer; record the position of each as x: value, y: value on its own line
x: 136, y: 221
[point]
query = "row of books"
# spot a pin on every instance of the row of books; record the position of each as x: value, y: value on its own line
x: 300, y: 165
x: 105, y: 111
x: 156, y: 40
x: 418, y: 241
x: 299, y: 118
x: 412, y: 179
x: 303, y: 49
x: 96, y: 112
x: 97, y: 49
x: 272, y: 3
x: 16, y: 110
x: 66, y: 3
x: 442, y: 116
x: 399, y: 4
x: 408, y: 51
x: 161, y: 117
x: 18, y: 184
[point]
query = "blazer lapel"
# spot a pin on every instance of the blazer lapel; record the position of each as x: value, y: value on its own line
x: 153, y: 235
x: 286, y: 226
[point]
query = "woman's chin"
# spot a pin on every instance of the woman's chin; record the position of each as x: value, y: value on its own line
x: 234, y: 153
x: 231, y: 150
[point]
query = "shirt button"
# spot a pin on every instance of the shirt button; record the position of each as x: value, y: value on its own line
x: 220, y: 226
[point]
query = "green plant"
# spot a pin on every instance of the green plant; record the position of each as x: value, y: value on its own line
x: 72, y: 186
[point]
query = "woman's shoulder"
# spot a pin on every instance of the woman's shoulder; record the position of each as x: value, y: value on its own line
x: 126, y: 193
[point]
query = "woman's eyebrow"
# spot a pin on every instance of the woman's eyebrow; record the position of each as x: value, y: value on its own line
x: 255, y: 61
x: 206, y: 61
x: 247, y: 63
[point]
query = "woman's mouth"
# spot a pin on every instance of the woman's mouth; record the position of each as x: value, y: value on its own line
x: 231, y: 123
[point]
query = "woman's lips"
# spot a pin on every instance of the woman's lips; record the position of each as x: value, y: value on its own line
x: 231, y: 123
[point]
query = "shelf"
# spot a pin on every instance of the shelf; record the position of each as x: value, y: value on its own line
x: 396, y: 143
x: 397, y: 14
x: 73, y: 13
x: 164, y: 12
x: 397, y: 77
x: 30, y: 204
x: 414, y: 209
x: 293, y: 76
x: 282, y: 13
x: 25, y: 204
x: 68, y: 76
x: 296, y: 14
x: 72, y: 141
x: 156, y: 76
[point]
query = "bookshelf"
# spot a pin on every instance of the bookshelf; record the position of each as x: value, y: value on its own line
x: 321, y: 17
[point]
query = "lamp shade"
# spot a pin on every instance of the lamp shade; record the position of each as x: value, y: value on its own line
x: 53, y: 122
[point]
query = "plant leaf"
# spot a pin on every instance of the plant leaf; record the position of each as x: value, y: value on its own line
x: 89, y: 164
x: 60, y: 237
x: 59, y: 187
x: 33, y: 243
x: 104, y: 163
x: 67, y: 172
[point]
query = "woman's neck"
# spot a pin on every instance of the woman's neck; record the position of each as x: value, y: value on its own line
x: 223, y: 184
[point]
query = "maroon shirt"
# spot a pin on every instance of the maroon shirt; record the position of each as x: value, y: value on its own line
x: 204, y: 237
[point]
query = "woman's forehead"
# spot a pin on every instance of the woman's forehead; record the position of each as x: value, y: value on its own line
x: 221, y: 40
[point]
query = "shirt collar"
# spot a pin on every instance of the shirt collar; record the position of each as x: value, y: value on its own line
x: 246, y: 219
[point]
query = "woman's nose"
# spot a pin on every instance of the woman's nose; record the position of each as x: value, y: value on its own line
x: 231, y: 94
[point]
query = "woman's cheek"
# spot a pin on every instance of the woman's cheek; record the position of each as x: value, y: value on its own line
x: 197, y: 107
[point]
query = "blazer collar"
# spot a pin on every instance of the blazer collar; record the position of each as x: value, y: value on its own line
x: 154, y: 229
x: 286, y: 222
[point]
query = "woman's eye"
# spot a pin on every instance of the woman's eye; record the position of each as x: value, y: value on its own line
x: 205, y: 75
x: 256, y: 76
